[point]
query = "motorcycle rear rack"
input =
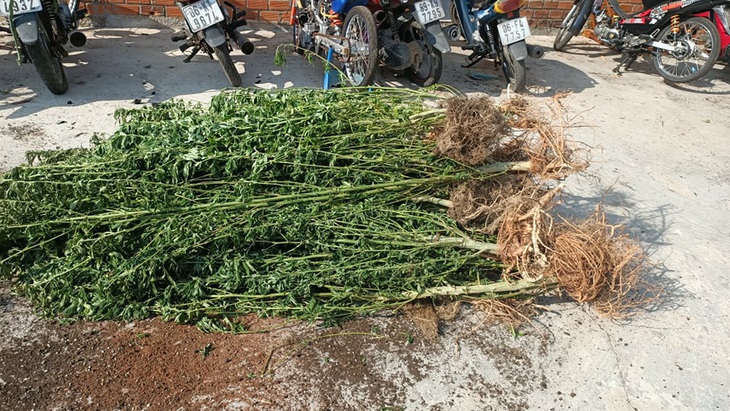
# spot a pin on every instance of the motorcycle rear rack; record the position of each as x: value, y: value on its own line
x: 340, y: 45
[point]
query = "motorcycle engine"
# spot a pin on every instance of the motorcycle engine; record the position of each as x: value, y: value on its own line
x: 607, y: 33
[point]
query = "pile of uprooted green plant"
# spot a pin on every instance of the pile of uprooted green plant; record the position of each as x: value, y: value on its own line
x: 306, y: 203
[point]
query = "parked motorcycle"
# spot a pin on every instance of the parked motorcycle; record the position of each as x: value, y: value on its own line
x: 684, y: 37
x: 405, y: 36
x: 211, y: 28
x: 497, y: 31
x: 41, y: 28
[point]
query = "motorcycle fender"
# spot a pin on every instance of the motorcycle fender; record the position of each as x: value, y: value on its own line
x: 214, y: 36
x: 27, y: 26
x: 437, y: 37
x: 583, y: 13
x: 519, y: 50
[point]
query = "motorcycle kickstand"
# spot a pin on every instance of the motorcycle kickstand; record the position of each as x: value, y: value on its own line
x: 192, y: 54
x: 627, y: 62
x: 469, y: 62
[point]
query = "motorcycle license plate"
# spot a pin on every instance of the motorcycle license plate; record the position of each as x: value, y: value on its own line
x: 19, y: 7
x: 512, y: 31
x: 202, y: 14
x: 428, y: 11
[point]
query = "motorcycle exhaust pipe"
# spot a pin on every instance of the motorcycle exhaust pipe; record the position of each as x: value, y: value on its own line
x: 78, y: 39
x: 243, y: 43
x: 535, y: 52
x: 379, y: 17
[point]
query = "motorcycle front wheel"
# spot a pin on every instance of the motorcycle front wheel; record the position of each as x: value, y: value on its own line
x: 429, y: 71
x: 362, y: 32
x: 47, y: 63
x: 564, y: 33
x: 696, y: 49
x: 224, y: 58
x: 514, y: 70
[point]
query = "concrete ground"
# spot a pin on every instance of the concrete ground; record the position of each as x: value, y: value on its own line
x: 659, y: 164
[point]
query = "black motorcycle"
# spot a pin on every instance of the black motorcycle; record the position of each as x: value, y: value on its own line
x: 213, y: 29
x: 41, y: 28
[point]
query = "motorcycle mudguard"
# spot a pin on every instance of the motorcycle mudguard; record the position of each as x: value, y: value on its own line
x: 519, y: 50
x: 580, y: 20
x: 214, y: 36
x: 27, y: 25
x: 437, y: 37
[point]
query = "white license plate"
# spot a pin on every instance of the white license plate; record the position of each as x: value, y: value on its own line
x: 512, y: 31
x: 19, y: 7
x: 428, y: 11
x: 202, y: 14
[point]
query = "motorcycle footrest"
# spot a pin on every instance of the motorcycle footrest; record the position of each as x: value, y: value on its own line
x: 179, y: 37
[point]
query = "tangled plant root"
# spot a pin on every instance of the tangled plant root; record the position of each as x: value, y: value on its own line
x: 596, y: 263
x: 542, y: 143
x: 473, y: 130
x: 523, y: 232
x: 480, y: 205
x: 512, y: 312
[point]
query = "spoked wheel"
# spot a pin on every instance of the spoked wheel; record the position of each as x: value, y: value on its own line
x: 514, y: 70
x: 696, y: 49
x: 47, y: 63
x: 565, y: 32
x: 430, y: 67
x: 224, y: 58
x: 362, y: 32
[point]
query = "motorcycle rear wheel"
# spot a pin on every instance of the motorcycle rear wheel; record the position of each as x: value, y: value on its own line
x: 564, y: 34
x: 362, y: 32
x: 431, y: 67
x: 698, y: 48
x: 47, y: 63
x: 514, y: 70
x: 224, y: 58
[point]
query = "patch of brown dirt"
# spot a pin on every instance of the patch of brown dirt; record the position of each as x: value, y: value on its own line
x: 370, y: 363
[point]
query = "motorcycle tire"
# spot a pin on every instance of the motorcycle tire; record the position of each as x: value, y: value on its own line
x: 453, y: 36
x: 564, y: 33
x: 690, y: 65
x: 47, y: 63
x: 224, y: 58
x: 431, y: 67
x: 360, y: 29
x: 514, y: 70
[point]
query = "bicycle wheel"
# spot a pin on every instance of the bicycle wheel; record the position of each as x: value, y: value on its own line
x: 362, y: 32
x: 696, y: 49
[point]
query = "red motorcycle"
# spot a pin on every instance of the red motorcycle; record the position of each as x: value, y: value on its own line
x: 684, y: 37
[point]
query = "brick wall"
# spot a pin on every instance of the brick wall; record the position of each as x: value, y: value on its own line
x: 543, y: 14
x: 547, y: 14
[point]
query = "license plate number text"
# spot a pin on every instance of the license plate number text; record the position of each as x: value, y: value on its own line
x: 513, y: 31
x: 428, y: 11
x: 19, y: 7
x: 202, y: 14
